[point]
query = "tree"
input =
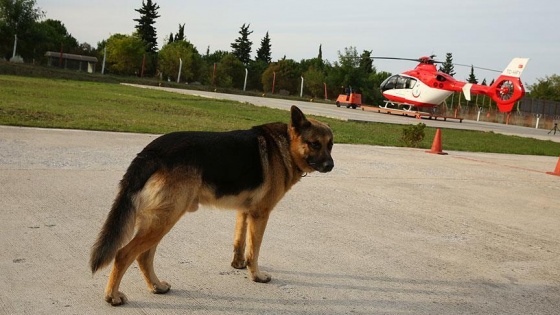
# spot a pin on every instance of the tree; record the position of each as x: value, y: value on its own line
x: 352, y: 69
x: 314, y: 81
x: 170, y: 38
x: 229, y: 72
x: 287, y: 76
x: 316, y: 63
x: 372, y: 93
x: 264, y: 53
x: 350, y: 58
x: 169, y: 62
x: 56, y: 34
x: 145, y: 27
x: 52, y: 35
x: 180, y: 33
x: 547, y: 88
x: 472, y: 77
x: 124, y: 54
x: 215, y: 57
x: 366, y: 62
x: 256, y: 70
x: 242, y: 45
x: 355, y: 71
x: 210, y: 65
x: 18, y: 17
x: 447, y: 66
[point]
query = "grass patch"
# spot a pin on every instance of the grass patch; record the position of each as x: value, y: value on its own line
x: 62, y: 103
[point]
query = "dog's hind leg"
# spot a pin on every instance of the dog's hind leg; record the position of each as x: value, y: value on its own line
x: 256, y: 224
x: 146, y: 264
x: 239, y: 238
x: 141, y: 247
x: 124, y: 258
x: 170, y: 203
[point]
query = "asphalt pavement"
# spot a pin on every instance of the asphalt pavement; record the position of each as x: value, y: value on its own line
x: 388, y: 231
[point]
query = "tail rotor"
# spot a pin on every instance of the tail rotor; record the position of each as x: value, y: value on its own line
x: 508, y: 88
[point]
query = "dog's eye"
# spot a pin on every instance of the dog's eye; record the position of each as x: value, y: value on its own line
x: 315, y: 145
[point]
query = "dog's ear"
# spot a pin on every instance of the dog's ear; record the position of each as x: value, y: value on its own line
x: 298, y: 122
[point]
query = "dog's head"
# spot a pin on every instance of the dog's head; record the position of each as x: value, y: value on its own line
x: 311, y: 143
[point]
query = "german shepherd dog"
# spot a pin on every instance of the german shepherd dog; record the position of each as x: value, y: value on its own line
x: 245, y: 170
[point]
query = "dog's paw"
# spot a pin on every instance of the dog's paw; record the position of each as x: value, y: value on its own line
x: 162, y: 288
x: 116, y: 299
x: 239, y: 264
x: 261, y: 277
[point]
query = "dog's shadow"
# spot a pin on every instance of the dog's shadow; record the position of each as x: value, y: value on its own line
x: 360, y: 293
x: 364, y: 282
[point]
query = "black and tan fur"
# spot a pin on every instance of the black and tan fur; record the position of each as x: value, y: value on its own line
x: 246, y: 170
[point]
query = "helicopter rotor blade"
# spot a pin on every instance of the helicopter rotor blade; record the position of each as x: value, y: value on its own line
x: 431, y: 60
x: 386, y: 58
x: 396, y: 58
x: 475, y: 67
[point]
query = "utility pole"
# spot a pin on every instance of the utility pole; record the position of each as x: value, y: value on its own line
x: 15, y: 42
x: 180, y: 68
x: 104, y: 58
x: 15, y: 46
x: 245, y: 83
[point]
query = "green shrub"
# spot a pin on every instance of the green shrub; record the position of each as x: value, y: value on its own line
x: 413, y: 134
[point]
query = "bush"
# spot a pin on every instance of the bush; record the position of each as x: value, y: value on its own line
x: 413, y: 135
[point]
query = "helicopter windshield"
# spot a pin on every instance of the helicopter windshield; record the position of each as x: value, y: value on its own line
x: 397, y: 82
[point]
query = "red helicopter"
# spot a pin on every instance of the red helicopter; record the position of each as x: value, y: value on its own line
x: 425, y: 86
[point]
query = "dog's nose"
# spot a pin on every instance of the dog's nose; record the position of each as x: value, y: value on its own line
x: 327, y: 166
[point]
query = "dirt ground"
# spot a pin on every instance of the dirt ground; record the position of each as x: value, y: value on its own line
x: 388, y: 231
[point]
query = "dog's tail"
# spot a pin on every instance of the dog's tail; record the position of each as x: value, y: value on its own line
x: 119, y: 224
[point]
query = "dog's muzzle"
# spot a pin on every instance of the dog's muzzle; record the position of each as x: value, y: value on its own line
x: 323, y: 167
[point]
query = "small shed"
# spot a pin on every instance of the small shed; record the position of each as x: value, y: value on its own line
x: 71, y: 61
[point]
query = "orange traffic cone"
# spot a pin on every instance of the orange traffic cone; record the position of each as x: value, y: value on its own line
x: 556, y: 170
x: 436, y: 145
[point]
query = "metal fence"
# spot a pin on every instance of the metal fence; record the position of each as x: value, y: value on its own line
x: 528, y: 112
x: 539, y: 107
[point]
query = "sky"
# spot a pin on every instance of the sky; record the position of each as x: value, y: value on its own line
x: 483, y: 33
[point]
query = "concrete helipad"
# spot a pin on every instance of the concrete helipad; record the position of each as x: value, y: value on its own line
x: 389, y: 231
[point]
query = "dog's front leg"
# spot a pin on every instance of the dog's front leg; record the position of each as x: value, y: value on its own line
x: 256, y: 224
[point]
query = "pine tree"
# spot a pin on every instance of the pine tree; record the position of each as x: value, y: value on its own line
x: 242, y: 45
x: 320, y: 56
x: 170, y: 39
x: 472, y: 77
x: 366, y: 63
x: 447, y: 65
x: 145, y: 27
x: 180, y: 34
x: 263, y: 53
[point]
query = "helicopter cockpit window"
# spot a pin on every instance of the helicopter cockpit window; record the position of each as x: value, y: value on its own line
x: 389, y: 83
x: 410, y: 83
x: 401, y: 82
x: 398, y: 82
